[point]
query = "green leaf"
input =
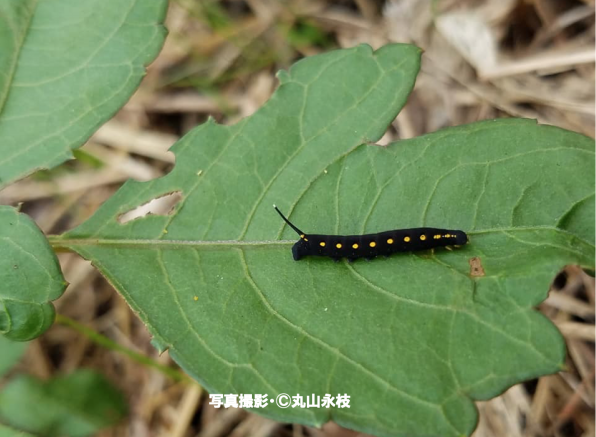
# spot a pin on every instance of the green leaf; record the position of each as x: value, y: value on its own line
x: 30, y: 277
x: 5, y: 431
x: 65, y: 68
x: 77, y: 404
x: 414, y: 338
x: 10, y: 353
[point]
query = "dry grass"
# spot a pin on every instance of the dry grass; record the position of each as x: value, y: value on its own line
x: 483, y: 59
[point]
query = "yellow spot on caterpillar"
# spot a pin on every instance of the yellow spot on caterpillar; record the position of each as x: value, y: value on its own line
x: 322, y: 244
x: 407, y: 239
x: 302, y: 236
x: 447, y: 236
x: 423, y: 237
x: 338, y: 245
x: 196, y: 298
x: 437, y: 237
x: 372, y: 244
x: 390, y: 241
x: 355, y: 246
x: 306, y: 239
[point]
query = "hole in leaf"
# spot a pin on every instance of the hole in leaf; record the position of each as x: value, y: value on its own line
x: 162, y: 205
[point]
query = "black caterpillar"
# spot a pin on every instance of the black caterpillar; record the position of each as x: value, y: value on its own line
x: 371, y: 245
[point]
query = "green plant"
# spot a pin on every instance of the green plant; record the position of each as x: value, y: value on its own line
x: 65, y: 68
x: 76, y: 404
x: 413, y: 339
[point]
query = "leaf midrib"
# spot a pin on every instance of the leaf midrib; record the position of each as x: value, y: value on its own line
x: 59, y: 242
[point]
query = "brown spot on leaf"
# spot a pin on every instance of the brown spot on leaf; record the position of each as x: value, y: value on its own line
x: 476, y: 269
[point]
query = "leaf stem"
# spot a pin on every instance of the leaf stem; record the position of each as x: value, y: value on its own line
x: 104, y: 341
x: 58, y: 242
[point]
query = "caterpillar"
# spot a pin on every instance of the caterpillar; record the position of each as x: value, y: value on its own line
x: 369, y: 246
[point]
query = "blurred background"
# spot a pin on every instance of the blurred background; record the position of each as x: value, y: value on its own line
x: 482, y: 59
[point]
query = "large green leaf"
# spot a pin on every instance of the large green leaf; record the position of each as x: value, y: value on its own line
x: 30, y: 277
x: 66, y: 66
x: 77, y: 404
x: 414, y: 338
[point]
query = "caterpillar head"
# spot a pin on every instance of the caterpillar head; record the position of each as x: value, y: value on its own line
x: 461, y: 238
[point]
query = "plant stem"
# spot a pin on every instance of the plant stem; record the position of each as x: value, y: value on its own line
x: 104, y: 341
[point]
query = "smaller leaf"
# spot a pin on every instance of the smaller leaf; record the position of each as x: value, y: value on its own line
x: 78, y: 404
x: 10, y: 353
x: 65, y: 68
x: 30, y: 277
x: 5, y: 431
